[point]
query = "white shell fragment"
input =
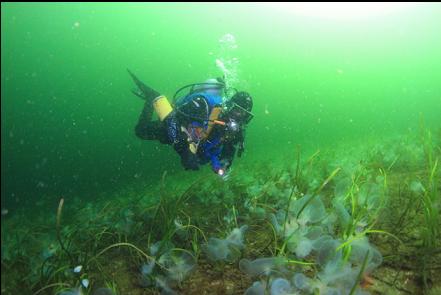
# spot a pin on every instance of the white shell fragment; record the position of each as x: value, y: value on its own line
x: 85, y: 283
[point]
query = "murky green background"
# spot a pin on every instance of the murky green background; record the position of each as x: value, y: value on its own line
x: 68, y: 114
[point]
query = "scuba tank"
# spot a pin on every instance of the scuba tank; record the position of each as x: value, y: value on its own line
x: 163, y: 107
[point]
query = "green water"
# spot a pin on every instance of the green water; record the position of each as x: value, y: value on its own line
x: 344, y: 145
x: 68, y: 114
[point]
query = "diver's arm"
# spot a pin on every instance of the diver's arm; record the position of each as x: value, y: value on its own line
x: 179, y: 140
x: 188, y: 160
x: 228, y: 152
x: 212, y: 151
x: 216, y: 164
x: 214, y: 115
x: 241, y: 144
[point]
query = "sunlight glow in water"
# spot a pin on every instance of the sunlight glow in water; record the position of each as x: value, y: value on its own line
x: 343, y: 10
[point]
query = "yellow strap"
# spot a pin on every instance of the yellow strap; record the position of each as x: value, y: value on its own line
x: 215, y: 112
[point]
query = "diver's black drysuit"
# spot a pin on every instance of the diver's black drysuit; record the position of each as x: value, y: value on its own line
x: 151, y: 130
x: 167, y: 131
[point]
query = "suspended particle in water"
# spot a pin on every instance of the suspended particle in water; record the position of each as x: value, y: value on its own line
x: 76, y: 25
x: 266, y: 110
x: 5, y: 211
x: 339, y: 71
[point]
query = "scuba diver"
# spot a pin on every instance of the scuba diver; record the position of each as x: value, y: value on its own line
x: 199, y: 127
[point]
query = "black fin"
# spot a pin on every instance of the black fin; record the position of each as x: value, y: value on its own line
x: 145, y: 92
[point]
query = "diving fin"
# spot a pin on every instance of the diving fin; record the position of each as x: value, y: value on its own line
x: 143, y: 91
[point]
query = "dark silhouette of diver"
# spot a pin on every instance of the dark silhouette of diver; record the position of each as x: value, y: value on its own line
x: 200, y: 127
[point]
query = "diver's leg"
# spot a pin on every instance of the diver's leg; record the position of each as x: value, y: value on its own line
x: 147, y: 129
x: 143, y: 91
x: 150, y: 130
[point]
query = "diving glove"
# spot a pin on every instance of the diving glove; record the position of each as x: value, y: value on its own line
x: 189, y: 160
